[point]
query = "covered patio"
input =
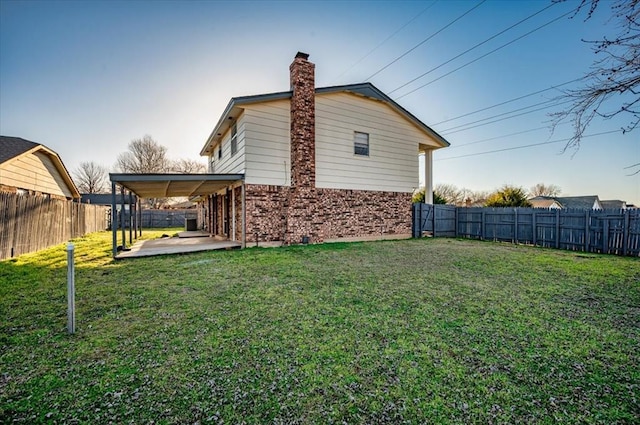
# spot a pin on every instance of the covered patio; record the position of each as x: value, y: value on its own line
x: 167, y: 186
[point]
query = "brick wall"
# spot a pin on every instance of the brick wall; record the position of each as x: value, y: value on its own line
x: 277, y: 213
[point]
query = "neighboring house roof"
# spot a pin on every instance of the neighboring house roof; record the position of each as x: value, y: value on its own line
x: 580, y: 202
x: 544, y: 202
x: 104, y: 198
x: 234, y: 108
x: 572, y: 202
x: 615, y: 204
x: 13, y: 148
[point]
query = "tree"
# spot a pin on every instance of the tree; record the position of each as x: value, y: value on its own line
x: 91, y: 178
x: 450, y: 193
x: 508, y: 196
x: 612, y: 87
x: 542, y: 189
x: 144, y: 156
x: 418, y: 197
x: 188, y: 166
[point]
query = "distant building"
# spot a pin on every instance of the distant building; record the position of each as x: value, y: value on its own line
x: 32, y: 168
x: 591, y: 202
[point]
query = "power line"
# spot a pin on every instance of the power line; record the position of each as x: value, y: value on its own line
x: 389, y: 38
x: 499, y: 115
x: 486, y: 54
x: 473, y: 48
x: 424, y: 41
x: 475, y: 142
x: 507, y: 101
x: 525, y: 146
x: 506, y: 118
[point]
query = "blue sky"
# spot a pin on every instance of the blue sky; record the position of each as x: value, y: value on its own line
x: 85, y: 78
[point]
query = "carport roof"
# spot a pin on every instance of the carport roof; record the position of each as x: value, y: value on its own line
x: 171, y: 185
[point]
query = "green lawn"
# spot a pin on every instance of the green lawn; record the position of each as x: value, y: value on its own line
x: 414, y: 331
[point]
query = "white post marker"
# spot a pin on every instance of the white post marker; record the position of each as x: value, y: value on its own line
x: 71, y: 290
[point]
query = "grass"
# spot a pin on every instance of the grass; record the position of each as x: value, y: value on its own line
x: 414, y: 331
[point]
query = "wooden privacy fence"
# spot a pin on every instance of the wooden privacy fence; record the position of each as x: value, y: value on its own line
x: 603, y: 231
x: 166, y: 218
x: 30, y: 223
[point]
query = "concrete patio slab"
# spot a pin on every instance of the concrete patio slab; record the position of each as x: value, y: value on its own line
x: 168, y: 246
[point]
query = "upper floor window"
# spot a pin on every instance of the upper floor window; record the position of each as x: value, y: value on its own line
x: 220, y: 151
x: 361, y: 144
x: 234, y: 140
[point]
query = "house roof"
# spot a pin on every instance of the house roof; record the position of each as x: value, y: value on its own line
x: 368, y: 90
x: 578, y: 202
x: 575, y: 202
x: 103, y: 198
x: 11, y: 148
x: 543, y: 202
x: 613, y: 204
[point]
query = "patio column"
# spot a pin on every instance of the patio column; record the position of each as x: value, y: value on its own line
x: 114, y: 219
x: 428, y: 176
x: 233, y: 213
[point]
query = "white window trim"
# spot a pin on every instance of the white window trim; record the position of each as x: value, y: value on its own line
x: 234, y: 139
x: 355, y: 145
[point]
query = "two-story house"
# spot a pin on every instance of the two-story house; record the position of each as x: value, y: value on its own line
x: 319, y: 164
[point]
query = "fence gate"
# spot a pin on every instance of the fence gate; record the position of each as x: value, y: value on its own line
x: 436, y: 220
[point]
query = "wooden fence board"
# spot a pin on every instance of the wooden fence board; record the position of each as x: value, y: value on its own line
x: 30, y: 223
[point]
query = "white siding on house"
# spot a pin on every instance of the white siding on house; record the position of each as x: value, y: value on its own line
x: 392, y: 164
x: 267, y: 134
x: 36, y: 172
x: 230, y: 164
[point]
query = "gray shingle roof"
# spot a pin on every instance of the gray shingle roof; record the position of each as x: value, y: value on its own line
x: 578, y: 202
x: 10, y: 147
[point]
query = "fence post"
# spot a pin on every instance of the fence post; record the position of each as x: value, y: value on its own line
x: 483, y: 225
x: 625, y: 232
x: 71, y: 290
x: 456, y: 224
x: 414, y: 225
x: 605, y: 235
x: 534, y: 227
x: 587, y: 230
x: 433, y: 219
x: 515, y: 227
x: 557, y: 228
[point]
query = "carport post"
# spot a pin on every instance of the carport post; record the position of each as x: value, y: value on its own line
x: 124, y: 241
x: 131, y: 218
x: 114, y: 219
x: 139, y: 215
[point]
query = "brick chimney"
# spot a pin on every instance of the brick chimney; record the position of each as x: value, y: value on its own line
x: 303, y: 122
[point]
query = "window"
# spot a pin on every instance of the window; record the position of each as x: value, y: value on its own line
x: 361, y: 144
x: 220, y: 152
x: 234, y: 140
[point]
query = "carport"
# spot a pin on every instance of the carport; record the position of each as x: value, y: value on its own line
x: 165, y: 186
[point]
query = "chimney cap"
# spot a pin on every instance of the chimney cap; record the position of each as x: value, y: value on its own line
x: 301, y: 55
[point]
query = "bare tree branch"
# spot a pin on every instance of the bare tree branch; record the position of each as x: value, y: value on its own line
x: 144, y: 156
x: 91, y: 178
x: 612, y: 87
